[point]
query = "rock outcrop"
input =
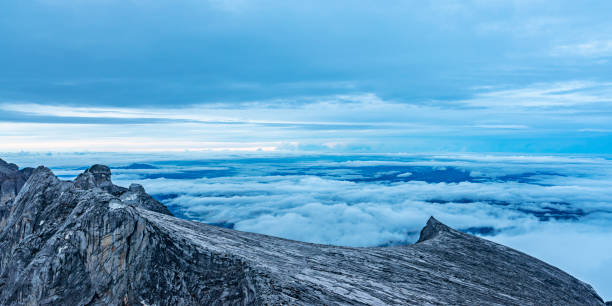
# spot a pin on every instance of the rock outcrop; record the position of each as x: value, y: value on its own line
x: 11, y: 181
x: 99, y: 176
x: 89, y: 242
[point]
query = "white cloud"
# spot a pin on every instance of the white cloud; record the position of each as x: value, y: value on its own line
x: 319, y: 203
x: 502, y: 126
x: 405, y: 174
x: 323, y: 210
x: 592, y: 48
x: 332, y: 123
x: 247, y: 200
x: 581, y: 250
x: 564, y: 94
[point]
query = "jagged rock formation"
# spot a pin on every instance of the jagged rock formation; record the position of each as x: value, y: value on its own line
x: 89, y: 242
x: 99, y: 176
x: 11, y: 181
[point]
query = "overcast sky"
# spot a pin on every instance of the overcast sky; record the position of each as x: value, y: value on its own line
x: 349, y: 76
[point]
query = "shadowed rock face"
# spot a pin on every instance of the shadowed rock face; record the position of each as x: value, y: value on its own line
x: 11, y: 181
x: 89, y: 243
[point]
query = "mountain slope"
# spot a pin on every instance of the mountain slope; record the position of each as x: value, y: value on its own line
x: 89, y: 242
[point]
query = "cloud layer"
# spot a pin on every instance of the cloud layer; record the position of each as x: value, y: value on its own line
x: 570, y: 117
x: 555, y: 207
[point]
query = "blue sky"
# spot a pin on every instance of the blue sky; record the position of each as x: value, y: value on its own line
x: 345, y: 76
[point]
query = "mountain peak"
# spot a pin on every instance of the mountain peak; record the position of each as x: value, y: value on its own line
x: 136, y: 188
x: 7, y: 167
x: 432, y: 229
x: 65, y: 245
x: 99, y: 169
x: 95, y: 176
x: 11, y: 181
x: 99, y: 176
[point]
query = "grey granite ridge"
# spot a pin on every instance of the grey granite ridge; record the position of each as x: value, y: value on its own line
x: 89, y: 242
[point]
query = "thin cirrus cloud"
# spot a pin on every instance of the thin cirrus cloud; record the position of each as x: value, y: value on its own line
x: 594, y: 48
x: 526, y: 119
x: 556, y: 95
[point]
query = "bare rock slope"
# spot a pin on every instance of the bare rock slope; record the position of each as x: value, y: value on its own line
x: 89, y: 242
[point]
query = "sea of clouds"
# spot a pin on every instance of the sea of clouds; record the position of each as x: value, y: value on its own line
x: 556, y: 208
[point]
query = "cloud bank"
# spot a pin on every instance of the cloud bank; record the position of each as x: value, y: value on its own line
x: 555, y: 207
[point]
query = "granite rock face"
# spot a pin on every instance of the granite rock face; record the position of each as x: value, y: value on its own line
x: 99, y: 176
x: 11, y: 181
x: 89, y: 242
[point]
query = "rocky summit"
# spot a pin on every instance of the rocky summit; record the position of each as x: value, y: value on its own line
x: 11, y: 181
x: 90, y: 242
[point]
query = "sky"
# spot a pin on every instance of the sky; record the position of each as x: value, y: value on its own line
x: 356, y: 120
x: 306, y: 76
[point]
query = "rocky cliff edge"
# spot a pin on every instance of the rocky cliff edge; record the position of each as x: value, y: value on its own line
x: 89, y: 242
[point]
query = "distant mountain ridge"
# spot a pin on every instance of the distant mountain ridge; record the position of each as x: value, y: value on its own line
x: 90, y: 242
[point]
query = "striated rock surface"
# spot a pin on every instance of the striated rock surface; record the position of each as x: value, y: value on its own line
x: 89, y: 242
